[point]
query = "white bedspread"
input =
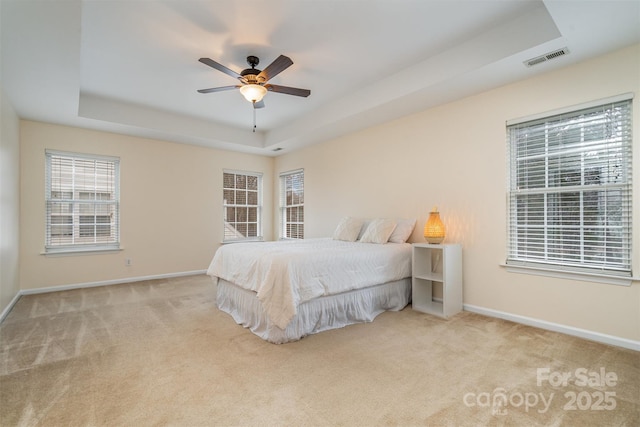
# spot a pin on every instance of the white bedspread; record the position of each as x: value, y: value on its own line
x: 287, y: 273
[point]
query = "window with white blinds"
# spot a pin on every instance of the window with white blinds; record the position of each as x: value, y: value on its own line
x: 242, y: 203
x: 82, y: 202
x: 292, y: 204
x: 570, y: 204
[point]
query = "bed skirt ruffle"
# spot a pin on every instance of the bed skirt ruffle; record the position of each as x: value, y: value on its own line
x: 317, y: 315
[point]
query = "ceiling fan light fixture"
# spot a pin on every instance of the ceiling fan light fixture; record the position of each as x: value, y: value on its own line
x: 253, y: 92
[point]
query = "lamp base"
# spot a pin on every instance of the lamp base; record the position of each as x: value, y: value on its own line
x: 434, y: 240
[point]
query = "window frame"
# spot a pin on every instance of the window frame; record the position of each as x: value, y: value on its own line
x: 585, y: 269
x: 73, y: 203
x: 234, y: 206
x: 285, y: 221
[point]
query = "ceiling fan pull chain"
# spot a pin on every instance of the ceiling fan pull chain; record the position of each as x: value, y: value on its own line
x: 254, y: 116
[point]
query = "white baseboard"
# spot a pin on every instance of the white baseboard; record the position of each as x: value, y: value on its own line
x: 15, y: 299
x: 9, y: 306
x: 556, y: 327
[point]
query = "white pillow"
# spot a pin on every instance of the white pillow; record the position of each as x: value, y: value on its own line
x: 365, y: 225
x: 378, y: 231
x: 404, y: 228
x: 348, y: 229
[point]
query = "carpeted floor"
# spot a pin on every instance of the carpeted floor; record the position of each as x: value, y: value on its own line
x: 160, y: 353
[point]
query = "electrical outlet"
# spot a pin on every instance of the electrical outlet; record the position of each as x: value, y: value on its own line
x: 127, y: 262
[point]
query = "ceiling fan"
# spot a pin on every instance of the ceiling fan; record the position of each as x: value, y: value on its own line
x: 253, y: 82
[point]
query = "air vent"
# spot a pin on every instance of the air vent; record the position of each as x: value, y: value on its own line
x: 546, y: 57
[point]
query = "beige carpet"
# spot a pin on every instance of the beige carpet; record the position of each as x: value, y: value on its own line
x: 160, y: 353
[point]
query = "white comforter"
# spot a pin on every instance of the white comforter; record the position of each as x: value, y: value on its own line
x: 287, y: 273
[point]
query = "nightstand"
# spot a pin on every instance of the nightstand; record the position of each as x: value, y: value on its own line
x: 437, y: 266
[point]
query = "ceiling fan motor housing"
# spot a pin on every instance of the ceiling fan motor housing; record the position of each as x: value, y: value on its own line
x: 251, y: 74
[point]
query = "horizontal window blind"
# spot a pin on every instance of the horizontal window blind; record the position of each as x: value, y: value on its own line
x: 292, y: 204
x: 570, y: 190
x: 82, y: 202
x: 242, y: 204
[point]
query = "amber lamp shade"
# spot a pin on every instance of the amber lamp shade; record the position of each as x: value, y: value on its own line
x: 434, y: 228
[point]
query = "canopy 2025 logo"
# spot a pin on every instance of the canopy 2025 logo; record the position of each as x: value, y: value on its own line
x: 599, y: 399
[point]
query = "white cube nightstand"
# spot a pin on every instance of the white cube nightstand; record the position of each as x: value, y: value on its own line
x: 437, y: 265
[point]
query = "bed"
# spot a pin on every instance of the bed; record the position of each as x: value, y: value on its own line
x: 285, y: 290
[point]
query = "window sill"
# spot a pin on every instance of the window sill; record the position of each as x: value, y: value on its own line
x: 571, y: 275
x: 228, y: 242
x: 80, y: 251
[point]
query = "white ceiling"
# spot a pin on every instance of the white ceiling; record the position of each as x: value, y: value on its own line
x: 132, y: 66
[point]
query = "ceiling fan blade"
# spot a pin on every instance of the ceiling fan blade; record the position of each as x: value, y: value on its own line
x: 213, y: 64
x: 259, y: 104
x: 276, y: 67
x: 289, y: 90
x: 218, y: 89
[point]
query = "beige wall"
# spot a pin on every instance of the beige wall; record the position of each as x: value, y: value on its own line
x: 454, y: 156
x: 171, y: 213
x: 9, y: 202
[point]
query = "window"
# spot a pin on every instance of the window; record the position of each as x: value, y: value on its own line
x: 292, y: 205
x: 242, y: 202
x: 570, y: 190
x: 82, y: 202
